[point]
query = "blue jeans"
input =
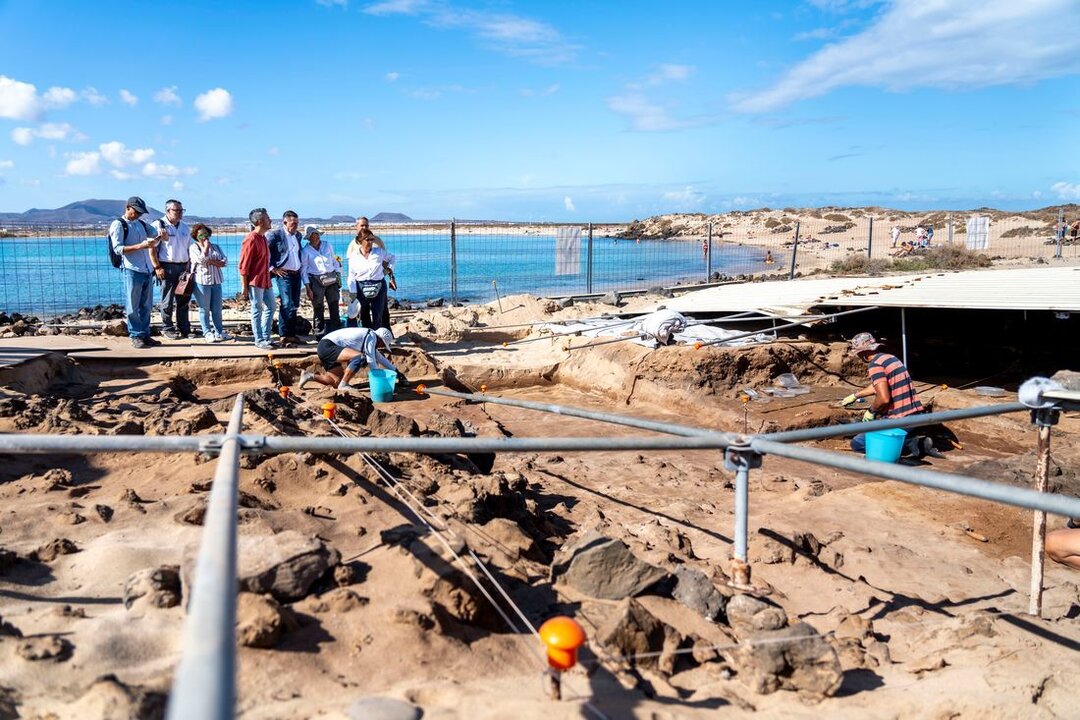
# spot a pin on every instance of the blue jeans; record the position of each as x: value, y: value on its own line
x: 262, y: 312
x: 288, y: 291
x: 138, y: 302
x: 209, y: 297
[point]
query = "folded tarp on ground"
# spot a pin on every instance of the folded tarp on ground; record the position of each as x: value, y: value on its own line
x: 653, y: 330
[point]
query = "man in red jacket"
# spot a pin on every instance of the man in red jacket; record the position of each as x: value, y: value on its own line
x: 255, y: 277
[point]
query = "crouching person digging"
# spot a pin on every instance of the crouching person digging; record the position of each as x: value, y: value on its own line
x: 344, y: 352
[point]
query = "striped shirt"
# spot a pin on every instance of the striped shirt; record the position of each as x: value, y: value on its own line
x: 902, y: 400
x: 206, y: 274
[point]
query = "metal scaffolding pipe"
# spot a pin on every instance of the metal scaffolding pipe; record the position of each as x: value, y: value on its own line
x: 654, y: 425
x: 205, y: 685
x: 816, y: 318
x: 792, y: 436
x: 742, y: 497
x: 438, y: 445
x: 1019, y: 497
x: 53, y: 444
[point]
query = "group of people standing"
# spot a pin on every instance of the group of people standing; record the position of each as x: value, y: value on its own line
x: 275, y: 267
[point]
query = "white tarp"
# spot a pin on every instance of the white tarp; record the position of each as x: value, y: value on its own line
x: 978, y: 232
x: 639, y: 331
x: 568, y: 251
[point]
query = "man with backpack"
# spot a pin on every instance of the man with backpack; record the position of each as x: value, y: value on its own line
x: 130, y: 242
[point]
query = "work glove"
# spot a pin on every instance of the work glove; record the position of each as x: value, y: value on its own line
x: 868, y: 416
x: 849, y: 400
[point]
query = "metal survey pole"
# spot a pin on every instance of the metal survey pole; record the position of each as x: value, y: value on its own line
x: 741, y: 460
x: 205, y: 685
x: 1059, y: 230
x: 1044, y: 420
x: 950, y: 228
x: 453, y: 260
x: 870, y: 242
x: 589, y: 264
x: 708, y: 252
x: 903, y: 335
x: 794, y: 251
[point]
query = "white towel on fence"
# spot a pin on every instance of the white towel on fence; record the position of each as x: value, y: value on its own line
x: 568, y: 251
x: 978, y: 233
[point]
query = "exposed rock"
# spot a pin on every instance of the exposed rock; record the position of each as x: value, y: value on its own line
x: 159, y: 586
x: 611, y: 298
x: 768, y: 551
x: 338, y: 600
x: 454, y: 597
x: 127, y: 427
x: 192, y: 420
x: 748, y: 615
x: 510, y: 538
x: 44, y: 647
x: 695, y: 590
x: 261, y: 621
x: 794, y: 658
x: 54, y: 549
x: 633, y: 631
x: 479, y: 498
x: 194, y: 515
x: 110, y: 699
x: 435, y: 302
x: 604, y: 568
x: 661, y: 291
x: 8, y: 630
x: 566, y: 302
x: 104, y: 512
x: 115, y: 328
x: 413, y: 617
x: 1069, y: 379
x: 285, y: 565
x: 72, y: 518
x: 386, y: 424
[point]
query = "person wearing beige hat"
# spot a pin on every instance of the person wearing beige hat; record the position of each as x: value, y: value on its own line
x: 320, y: 273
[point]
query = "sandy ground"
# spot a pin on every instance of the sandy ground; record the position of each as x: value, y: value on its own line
x: 921, y: 594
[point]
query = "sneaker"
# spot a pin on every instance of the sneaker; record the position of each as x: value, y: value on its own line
x: 211, y: 338
x: 139, y: 343
x: 305, y: 378
x: 151, y: 342
x: 170, y: 334
x: 345, y: 386
x: 225, y: 337
x: 264, y: 345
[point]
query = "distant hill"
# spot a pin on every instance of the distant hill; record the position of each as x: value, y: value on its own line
x: 99, y: 212
x: 390, y: 218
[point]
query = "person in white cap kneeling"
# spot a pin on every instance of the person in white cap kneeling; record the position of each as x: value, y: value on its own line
x: 344, y: 352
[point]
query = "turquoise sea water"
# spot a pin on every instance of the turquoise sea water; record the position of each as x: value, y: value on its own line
x: 54, y: 275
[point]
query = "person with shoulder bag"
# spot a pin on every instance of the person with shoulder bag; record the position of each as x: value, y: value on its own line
x: 368, y: 266
x: 208, y: 259
x: 320, y: 271
x: 171, y: 265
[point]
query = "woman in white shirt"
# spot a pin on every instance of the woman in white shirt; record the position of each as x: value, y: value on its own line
x: 368, y: 266
x: 207, y: 259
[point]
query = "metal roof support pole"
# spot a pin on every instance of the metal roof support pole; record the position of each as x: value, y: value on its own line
x: 794, y: 251
x: 870, y: 245
x: 1044, y: 419
x: 903, y: 335
x: 205, y: 684
x: 708, y: 252
x: 741, y: 460
x: 453, y: 260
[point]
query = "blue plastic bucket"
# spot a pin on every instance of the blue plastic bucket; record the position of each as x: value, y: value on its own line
x: 885, y: 445
x: 381, y: 383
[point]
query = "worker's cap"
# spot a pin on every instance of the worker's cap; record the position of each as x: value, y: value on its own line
x: 864, y: 342
x: 136, y: 202
x: 353, y: 310
x: 310, y: 230
x: 386, y: 336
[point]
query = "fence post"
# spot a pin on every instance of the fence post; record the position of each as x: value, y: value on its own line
x: 708, y: 253
x: 870, y: 241
x: 589, y: 265
x: 794, y: 251
x: 1059, y: 230
x: 453, y: 260
x: 950, y: 227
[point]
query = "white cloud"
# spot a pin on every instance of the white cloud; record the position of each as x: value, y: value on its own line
x: 392, y: 76
x: 46, y: 131
x: 549, y: 90
x: 18, y: 100
x: 117, y: 155
x: 648, y: 116
x: 216, y: 103
x: 87, y: 163
x: 178, y: 186
x: 6, y: 164
x: 1066, y: 190
x: 128, y: 98
x: 168, y: 96
x: 58, y: 97
x: 121, y: 175
x: 568, y: 203
x: 397, y: 7
x: 669, y: 72
x: 92, y: 96
x: 166, y: 119
x: 332, y: 3
x: 961, y: 45
x: 686, y: 199
x: 155, y: 170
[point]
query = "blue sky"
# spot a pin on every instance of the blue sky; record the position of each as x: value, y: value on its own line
x: 584, y: 111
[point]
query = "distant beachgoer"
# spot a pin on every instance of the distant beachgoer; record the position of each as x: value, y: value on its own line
x: 368, y: 266
x: 131, y: 240
x: 170, y: 260
x: 320, y: 273
x: 769, y: 258
x: 920, y: 236
x: 1062, y: 227
x: 891, y: 392
x: 895, y: 233
x: 285, y: 243
x: 207, y: 260
x: 929, y: 239
x: 255, y: 278
x: 1074, y: 230
x: 345, y: 351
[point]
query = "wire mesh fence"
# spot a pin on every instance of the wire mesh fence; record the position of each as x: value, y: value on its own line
x: 51, y: 270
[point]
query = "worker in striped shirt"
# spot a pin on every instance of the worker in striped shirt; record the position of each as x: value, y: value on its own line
x: 891, y: 392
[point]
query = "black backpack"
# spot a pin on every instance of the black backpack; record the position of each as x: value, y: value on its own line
x: 114, y: 257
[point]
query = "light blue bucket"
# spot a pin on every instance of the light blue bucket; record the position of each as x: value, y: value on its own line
x: 885, y: 445
x: 381, y: 383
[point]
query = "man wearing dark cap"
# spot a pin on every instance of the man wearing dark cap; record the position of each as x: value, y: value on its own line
x: 132, y: 239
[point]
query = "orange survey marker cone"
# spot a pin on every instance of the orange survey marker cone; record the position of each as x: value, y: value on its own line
x: 562, y: 636
x: 420, y: 389
x: 285, y: 392
x: 329, y: 410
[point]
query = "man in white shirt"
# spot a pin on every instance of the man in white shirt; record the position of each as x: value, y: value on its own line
x: 895, y: 234
x: 170, y: 259
x: 345, y: 351
x: 320, y: 273
x: 284, y: 243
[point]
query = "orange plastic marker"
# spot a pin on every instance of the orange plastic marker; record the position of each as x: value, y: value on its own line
x: 420, y: 389
x: 483, y: 388
x: 562, y: 636
x: 277, y: 363
x: 270, y: 357
x: 329, y: 410
x: 284, y: 390
x: 698, y: 345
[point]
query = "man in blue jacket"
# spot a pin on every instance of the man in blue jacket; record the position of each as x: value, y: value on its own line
x: 285, y: 244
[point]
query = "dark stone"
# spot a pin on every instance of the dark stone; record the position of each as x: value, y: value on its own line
x: 604, y: 568
x: 695, y: 590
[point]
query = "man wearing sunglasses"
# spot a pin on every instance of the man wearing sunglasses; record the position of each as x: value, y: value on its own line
x: 171, y: 260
